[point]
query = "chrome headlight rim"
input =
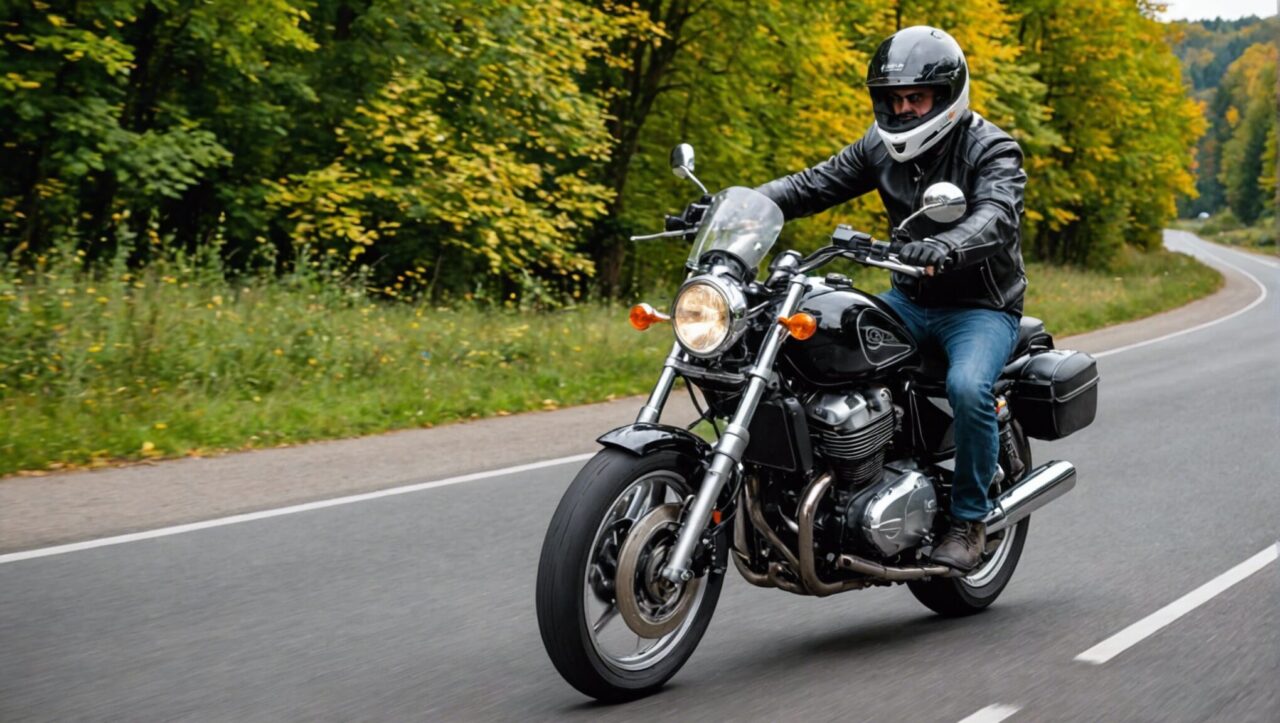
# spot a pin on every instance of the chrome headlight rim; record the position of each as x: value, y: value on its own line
x: 735, y: 301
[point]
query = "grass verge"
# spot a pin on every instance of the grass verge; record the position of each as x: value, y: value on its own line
x: 174, y: 360
x: 1224, y: 229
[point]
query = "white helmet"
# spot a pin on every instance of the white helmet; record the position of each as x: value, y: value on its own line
x: 918, y: 56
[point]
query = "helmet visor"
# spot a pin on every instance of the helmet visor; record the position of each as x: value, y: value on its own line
x: 896, y: 116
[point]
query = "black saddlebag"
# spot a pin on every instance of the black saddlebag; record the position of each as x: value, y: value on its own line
x: 1056, y: 393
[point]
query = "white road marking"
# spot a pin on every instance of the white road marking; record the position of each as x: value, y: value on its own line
x: 1261, y: 297
x: 1144, y: 628
x: 992, y: 714
x: 281, y: 511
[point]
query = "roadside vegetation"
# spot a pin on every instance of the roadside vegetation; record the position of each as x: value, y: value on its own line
x: 1226, y: 229
x: 173, y: 360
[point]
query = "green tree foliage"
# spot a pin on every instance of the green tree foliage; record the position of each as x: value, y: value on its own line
x: 419, y: 130
x: 764, y: 89
x: 1251, y: 119
x: 1126, y: 123
x: 472, y: 151
x: 135, y: 106
x: 1207, y: 48
x: 510, y: 146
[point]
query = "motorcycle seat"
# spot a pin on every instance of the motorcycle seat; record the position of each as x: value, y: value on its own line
x: 1030, y: 331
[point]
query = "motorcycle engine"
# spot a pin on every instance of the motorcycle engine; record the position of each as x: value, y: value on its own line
x: 885, y: 510
x: 851, y: 431
x: 893, y: 515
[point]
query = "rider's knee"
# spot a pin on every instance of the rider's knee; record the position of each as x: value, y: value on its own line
x: 968, y: 391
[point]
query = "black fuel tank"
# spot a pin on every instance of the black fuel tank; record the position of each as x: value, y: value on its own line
x: 858, y: 337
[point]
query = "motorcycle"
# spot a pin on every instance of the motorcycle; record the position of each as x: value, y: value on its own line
x: 829, y: 472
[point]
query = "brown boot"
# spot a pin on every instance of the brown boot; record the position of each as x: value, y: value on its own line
x: 961, y: 548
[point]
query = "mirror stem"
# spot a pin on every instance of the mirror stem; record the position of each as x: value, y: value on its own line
x: 689, y: 175
x: 913, y: 216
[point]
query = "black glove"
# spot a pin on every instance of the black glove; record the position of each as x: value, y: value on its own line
x: 928, y: 252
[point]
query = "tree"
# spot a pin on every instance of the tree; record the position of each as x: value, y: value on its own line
x: 1126, y: 123
x: 125, y: 105
x: 473, y: 152
x: 1251, y: 118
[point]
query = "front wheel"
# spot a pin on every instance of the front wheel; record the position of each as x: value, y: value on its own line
x: 613, y: 627
x: 959, y: 596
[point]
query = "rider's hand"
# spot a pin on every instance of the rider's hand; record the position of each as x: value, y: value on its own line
x: 928, y: 253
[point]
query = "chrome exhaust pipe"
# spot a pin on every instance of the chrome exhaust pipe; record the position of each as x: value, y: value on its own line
x: 1044, y: 485
x: 893, y: 573
x: 808, y: 565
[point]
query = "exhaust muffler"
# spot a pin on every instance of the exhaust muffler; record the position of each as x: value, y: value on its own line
x: 1044, y: 485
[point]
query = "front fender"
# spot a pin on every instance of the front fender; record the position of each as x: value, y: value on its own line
x: 644, y: 438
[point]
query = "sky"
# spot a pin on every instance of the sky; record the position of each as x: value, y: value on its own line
x: 1226, y: 9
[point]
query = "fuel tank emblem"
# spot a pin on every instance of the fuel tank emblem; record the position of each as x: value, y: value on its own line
x: 880, y: 345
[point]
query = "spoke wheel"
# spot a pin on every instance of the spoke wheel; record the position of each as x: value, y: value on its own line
x: 614, y: 628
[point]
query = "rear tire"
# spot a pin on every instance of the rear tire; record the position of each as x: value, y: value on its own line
x: 568, y: 570
x: 960, y: 596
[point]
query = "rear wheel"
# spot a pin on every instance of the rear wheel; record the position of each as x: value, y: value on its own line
x: 959, y: 596
x: 614, y: 628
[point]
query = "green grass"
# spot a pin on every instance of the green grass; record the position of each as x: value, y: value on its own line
x: 1225, y: 229
x: 176, y: 361
x: 1071, y: 301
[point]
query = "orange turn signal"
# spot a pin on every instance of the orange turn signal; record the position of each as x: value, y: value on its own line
x: 801, y: 325
x: 644, y: 316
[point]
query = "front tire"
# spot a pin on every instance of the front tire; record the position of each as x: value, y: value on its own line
x: 973, y: 593
x: 582, y: 630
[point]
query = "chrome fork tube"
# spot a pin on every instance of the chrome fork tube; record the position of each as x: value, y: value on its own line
x: 652, y: 409
x: 732, y: 444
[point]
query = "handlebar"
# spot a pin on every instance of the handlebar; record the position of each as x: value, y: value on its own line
x: 665, y: 234
x: 866, y: 255
x: 893, y: 264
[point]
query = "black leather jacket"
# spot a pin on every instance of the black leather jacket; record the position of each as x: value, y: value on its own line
x: 986, y: 253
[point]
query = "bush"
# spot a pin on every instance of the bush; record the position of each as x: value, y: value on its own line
x: 1222, y: 221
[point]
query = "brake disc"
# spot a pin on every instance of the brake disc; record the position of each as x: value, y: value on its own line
x: 649, y: 604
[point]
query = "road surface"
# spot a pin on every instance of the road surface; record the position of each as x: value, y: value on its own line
x: 419, y: 605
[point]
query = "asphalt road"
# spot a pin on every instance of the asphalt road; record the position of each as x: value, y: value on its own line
x: 420, y: 606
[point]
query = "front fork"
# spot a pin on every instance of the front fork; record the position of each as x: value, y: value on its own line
x: 728, y: 451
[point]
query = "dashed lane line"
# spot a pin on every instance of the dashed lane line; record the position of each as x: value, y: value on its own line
x: 992, y: 714
x: 1150, y: 625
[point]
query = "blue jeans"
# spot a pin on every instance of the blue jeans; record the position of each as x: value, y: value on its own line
x: 977, y: 343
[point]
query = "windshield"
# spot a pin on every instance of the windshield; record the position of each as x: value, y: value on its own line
x: 741, y: 222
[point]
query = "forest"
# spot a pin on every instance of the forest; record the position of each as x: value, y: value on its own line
x: 454, y: 148
x: 1231, y: 68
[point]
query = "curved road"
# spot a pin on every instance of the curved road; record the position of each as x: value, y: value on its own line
x: 420, y: 606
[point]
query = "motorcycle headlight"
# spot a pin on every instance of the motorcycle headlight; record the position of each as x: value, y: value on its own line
x: 708, y: 315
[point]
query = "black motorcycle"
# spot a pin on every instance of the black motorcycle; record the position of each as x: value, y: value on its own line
x: 827, y: 475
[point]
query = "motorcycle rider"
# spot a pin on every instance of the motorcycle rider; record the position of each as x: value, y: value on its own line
x: 970, y: 301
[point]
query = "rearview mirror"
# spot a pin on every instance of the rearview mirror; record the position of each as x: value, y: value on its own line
x: 944, y: 202
x: 682, y: 164
x: 682, y: 160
